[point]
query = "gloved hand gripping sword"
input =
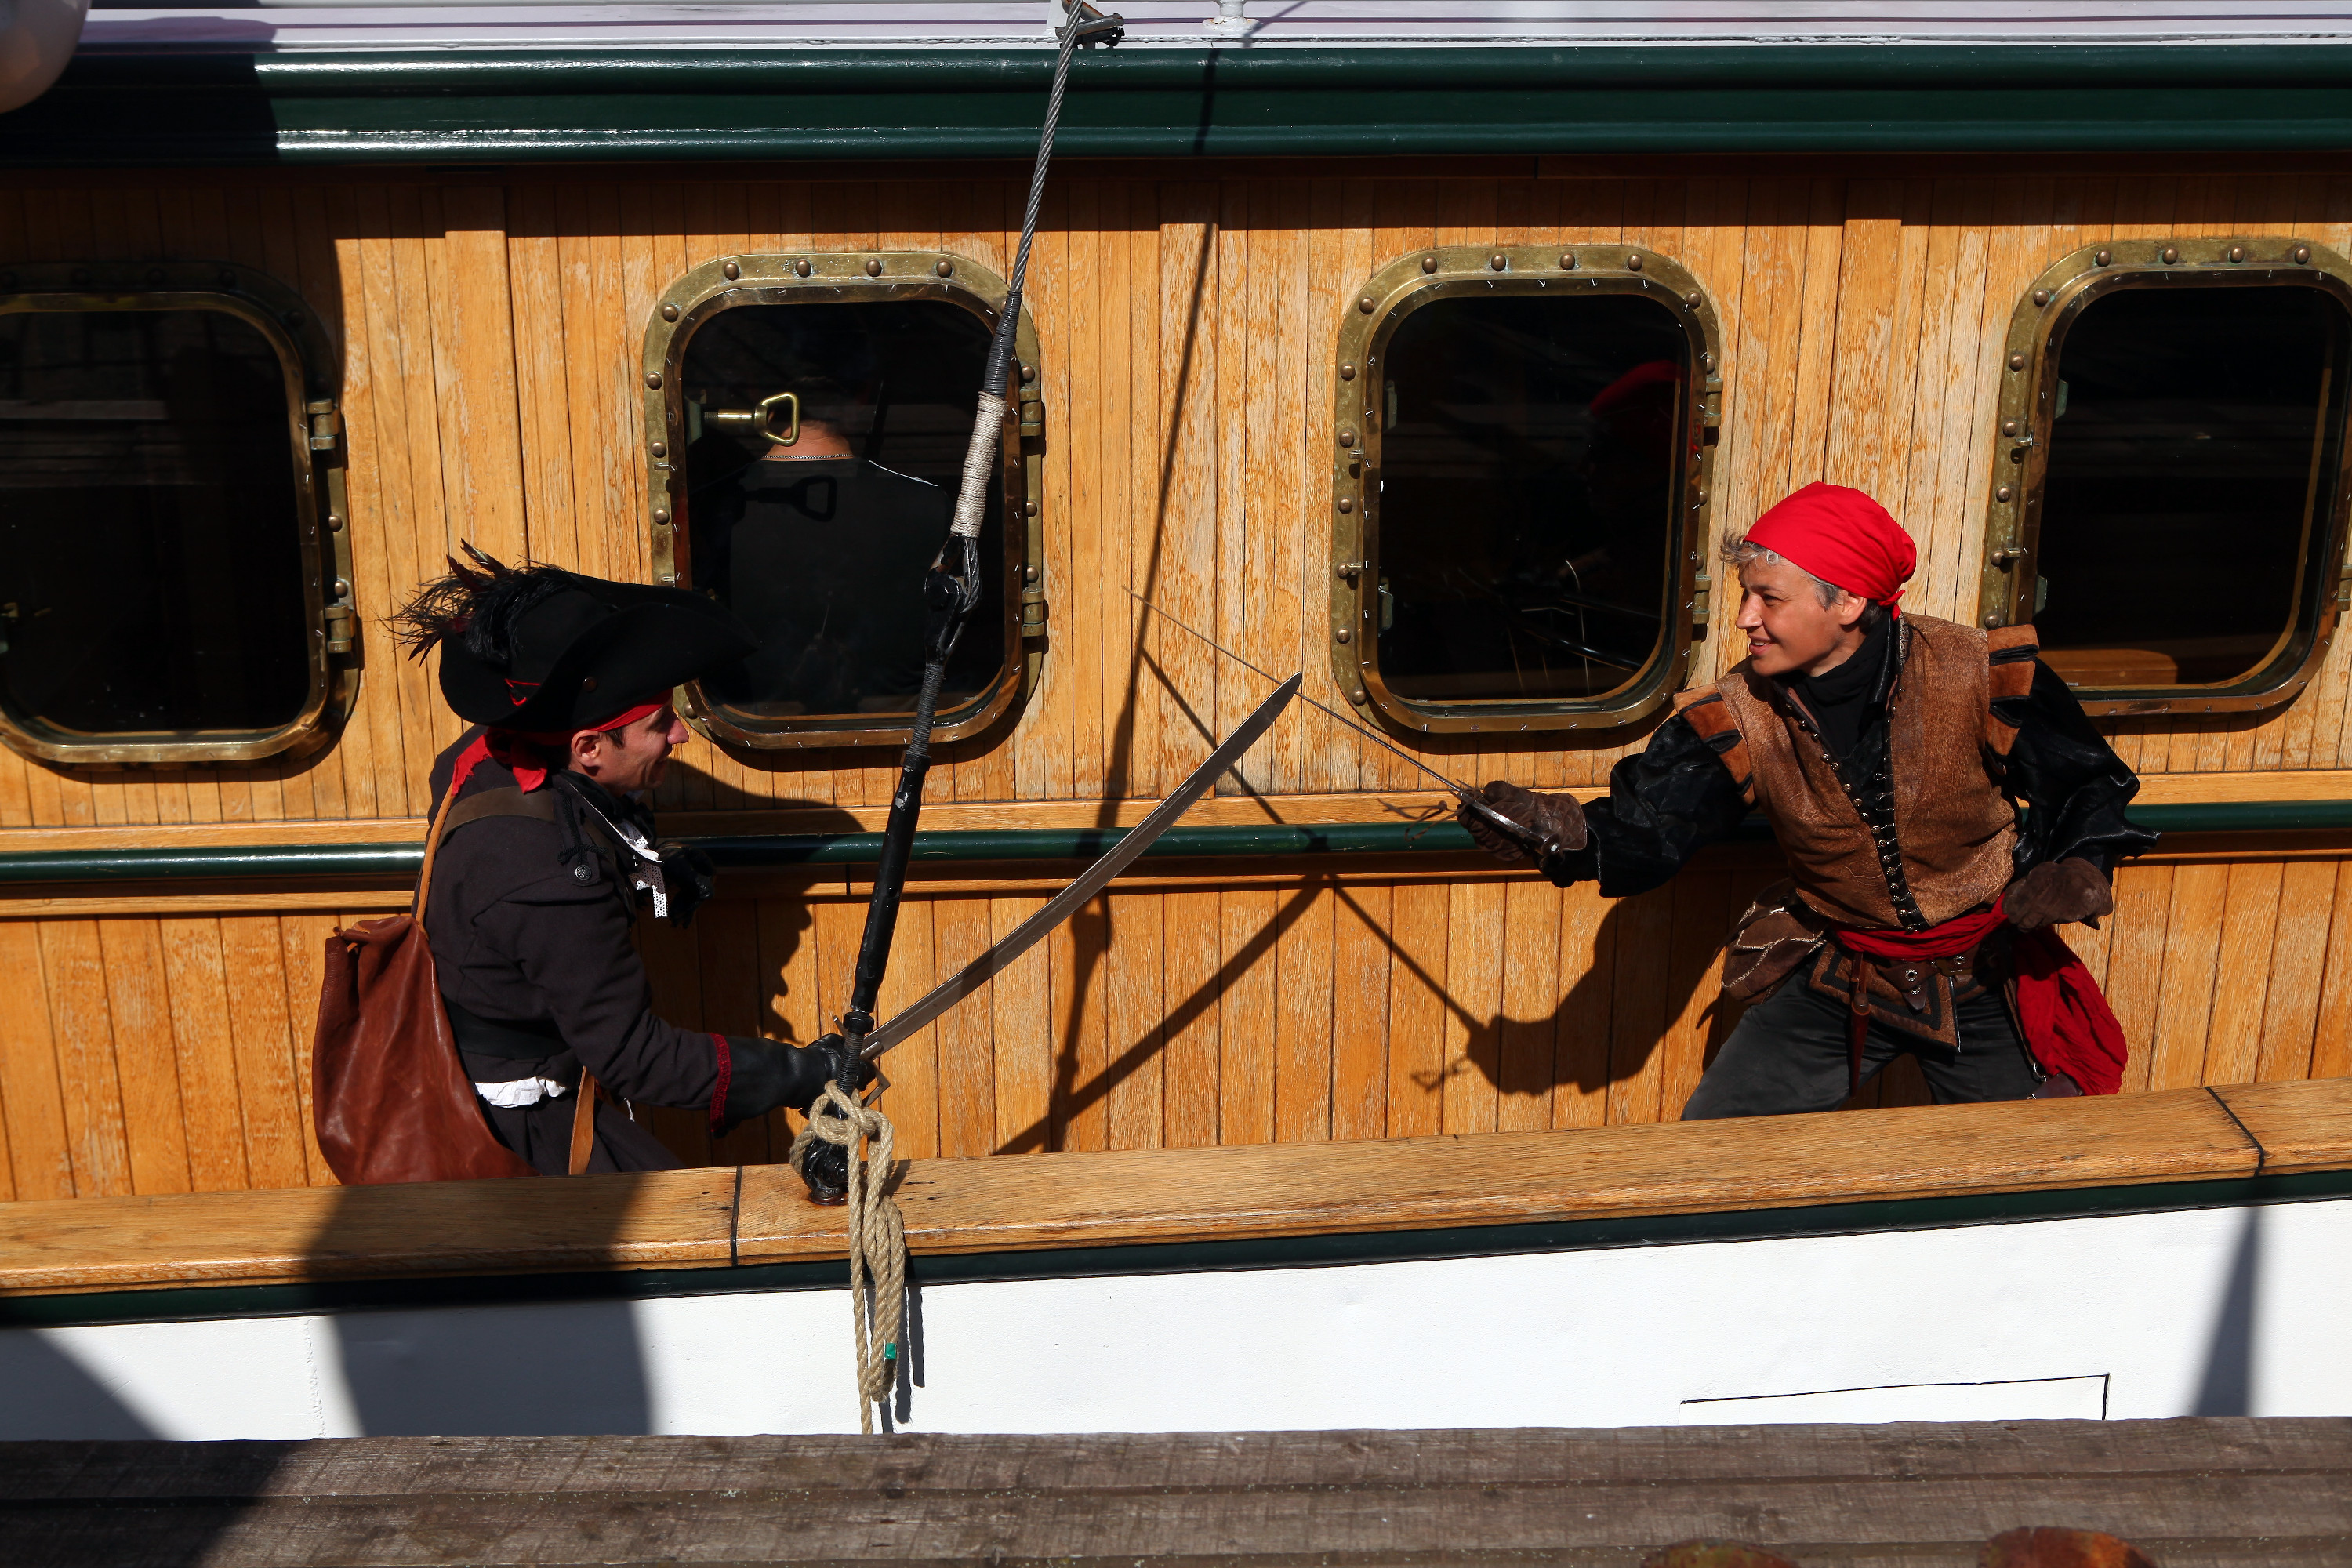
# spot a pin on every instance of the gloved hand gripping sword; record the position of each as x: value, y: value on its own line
x: 950, y: 589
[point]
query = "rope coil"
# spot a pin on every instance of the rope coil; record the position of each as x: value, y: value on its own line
x: 878, y: 1240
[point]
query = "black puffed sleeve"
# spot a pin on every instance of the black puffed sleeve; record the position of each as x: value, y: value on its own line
x: 2071, y: 781
x: 1665, y: 805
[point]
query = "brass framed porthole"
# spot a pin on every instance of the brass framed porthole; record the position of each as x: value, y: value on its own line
x: 1521, y: 441
x: 175, y: 578
x: 807, y: 420
x: 2170, y: 475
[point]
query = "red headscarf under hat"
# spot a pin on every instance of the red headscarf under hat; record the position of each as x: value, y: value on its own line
x: 527, y: 751
x: 1841, y: 536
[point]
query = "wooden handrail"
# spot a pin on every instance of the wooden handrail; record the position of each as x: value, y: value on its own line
x: 712, y: 1219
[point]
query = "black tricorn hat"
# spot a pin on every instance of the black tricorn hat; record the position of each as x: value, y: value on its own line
x: 543, y: 650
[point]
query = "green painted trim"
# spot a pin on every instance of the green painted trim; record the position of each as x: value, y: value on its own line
x: 1176, y: 1258
x: 281, y: 862
x: 538, y: 105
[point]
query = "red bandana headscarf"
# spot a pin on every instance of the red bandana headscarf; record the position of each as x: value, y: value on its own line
x: 524, y: 751
x: 1841, y: 536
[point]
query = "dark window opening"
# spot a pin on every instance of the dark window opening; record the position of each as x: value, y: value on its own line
x: 2194, y: 443
x: 1530, y: 469
x: 151, y: 556
x: 821, y: 545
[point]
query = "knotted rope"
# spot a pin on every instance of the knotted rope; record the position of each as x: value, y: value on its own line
x: 878, y: 1239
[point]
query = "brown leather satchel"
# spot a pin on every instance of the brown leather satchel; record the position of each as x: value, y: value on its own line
x: 391, y: 1099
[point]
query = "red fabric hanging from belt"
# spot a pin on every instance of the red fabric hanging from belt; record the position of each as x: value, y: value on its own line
x: 523, y: 752
x: 2065, y: 1019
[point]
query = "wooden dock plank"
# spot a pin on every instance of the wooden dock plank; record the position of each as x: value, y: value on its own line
x: 2194, y: 1491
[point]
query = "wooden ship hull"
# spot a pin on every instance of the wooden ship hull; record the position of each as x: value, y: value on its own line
x: 1316, y: 1080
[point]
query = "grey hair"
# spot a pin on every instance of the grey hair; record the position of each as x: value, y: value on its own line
x: 1738, y: 552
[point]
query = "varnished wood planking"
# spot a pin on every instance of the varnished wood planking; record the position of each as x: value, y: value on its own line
x: 687, y: 1218
x: 159, y: 1053
x: 490, y: 332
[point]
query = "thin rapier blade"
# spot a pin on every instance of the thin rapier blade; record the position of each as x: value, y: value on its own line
x: 1062, y: 905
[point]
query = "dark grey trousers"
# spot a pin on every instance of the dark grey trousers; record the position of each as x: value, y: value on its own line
x: 1789, y: 1053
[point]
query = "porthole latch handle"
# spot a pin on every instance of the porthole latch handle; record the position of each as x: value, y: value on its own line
x: 2009, y: 554
x: 326, y: 425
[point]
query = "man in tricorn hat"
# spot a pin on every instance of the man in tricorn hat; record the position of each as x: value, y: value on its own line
x: 548, y: 851
x: 1891, y: 755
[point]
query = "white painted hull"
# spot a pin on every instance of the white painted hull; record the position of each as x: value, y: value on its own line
x: 2219, y: 1311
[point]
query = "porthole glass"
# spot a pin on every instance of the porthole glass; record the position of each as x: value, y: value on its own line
x: 161, y: 591
x: 2175, y: 452
x: 824, y: 433
x: 1523, y: 439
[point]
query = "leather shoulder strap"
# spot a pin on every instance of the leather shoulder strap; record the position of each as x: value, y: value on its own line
x: 508, y: 802
x: 2010, y: 653
x: 1707, y: 712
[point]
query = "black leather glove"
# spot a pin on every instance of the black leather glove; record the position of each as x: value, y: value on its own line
x: 1555, y: 820
x: 766, y: 1076
x: 2057, y: 891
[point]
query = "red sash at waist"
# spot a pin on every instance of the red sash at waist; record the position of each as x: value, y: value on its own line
x: 2067, y: 1020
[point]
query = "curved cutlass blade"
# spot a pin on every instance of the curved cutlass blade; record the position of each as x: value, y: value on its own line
x: 1060, y: 906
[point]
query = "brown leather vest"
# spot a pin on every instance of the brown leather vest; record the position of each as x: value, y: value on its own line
x: 1948, y: 847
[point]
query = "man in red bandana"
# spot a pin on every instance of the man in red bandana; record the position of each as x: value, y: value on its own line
x: 548, y: 855
x: 1943, y: 803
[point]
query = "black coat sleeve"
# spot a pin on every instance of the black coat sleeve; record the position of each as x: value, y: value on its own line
x: 2072, y: 786
x: 1665, y: 804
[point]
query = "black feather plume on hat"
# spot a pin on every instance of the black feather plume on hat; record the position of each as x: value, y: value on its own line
x: 475, y: 607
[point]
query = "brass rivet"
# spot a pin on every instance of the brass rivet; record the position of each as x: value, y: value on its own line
x: 1357, y: 695
x: 661, y: 448
x: 2237, y: 253
x: 1344, y: 634
x: 2009, y: 426
x: 2171, y: 255
x: 732, y: 271
x: 1348, y: 371
x: 2302, y: 254
x: 1498, y: 261
x: 1568, y: 261
x: 1428, y: 264
x: 1028, y: 508
x: 1692, y: 300
x: 1346, y: 506
x: 2103, y: 257
x: 292, y: 318
x: 1365, y: 304
x: 1028, y: 375
x: 1346, y: 435
x: 1028, y: 574
x: 661, y: 514
x: 1992, y: 621
x: 2001, y: 494
x: 2017, y: 361
x: 669, y: 313
x: 652, y: 379
x: 2042, y: 296
x: 1634, y: 262
x: 587, y: 683
x: 334, y: 522
x: 800, y: 269
x: 874, y: 266
x: 1706, y: 361
x: 946, y: 268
